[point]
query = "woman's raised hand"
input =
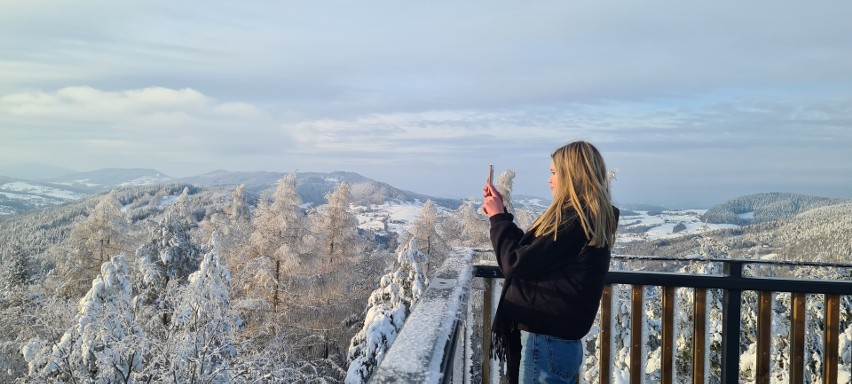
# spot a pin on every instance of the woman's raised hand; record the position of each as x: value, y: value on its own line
x: 493, y: 200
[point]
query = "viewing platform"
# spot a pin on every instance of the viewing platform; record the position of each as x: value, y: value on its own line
x: 442, y: 340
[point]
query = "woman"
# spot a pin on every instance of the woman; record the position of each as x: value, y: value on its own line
x: 555, y: 271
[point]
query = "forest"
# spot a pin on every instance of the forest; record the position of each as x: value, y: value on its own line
x: 182, y: 283
x: 237, y: 284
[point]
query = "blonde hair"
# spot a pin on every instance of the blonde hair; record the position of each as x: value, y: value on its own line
x: 583, y: 185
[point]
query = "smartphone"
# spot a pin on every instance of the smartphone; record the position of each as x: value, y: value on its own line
x: 490, y: 173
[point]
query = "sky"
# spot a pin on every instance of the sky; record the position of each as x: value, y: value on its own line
x: 691, y: 103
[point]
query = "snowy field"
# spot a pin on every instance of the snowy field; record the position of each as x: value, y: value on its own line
x: 666, y: 225
x: 390, y: 217
x: 29, y: 189
x: 32, y: 195
x: 398, y: 217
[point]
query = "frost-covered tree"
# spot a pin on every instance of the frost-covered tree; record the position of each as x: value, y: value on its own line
x: 504, y: 184
x: 239, y: 210
x: 425, y: 226
x: 332, y: 286
x: 165, y: 261
x: 277, y: 242
x: 426, y: 230
x: 388, y: 307
x: 335, y: 227
x: 105, y: 343
x: 15, y: 272
x: 91, y: 241
x: 473, y: 225
x: 200, y: 347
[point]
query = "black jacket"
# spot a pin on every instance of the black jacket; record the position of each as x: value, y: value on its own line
x: 552, y: 287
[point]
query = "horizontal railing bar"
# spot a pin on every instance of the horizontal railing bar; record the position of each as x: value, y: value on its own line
x: 730, y: 283
x: 690, y: 259
x: 667, y: 279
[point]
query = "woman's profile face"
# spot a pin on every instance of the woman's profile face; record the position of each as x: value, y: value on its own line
x: 553, y: 180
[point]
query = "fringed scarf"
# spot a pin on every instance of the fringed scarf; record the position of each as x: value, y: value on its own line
x: 506, y: 339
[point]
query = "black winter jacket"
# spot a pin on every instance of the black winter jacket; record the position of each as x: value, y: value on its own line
x: 552, y: 287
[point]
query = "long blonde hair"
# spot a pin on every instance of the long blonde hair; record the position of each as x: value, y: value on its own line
x: 583, y: 184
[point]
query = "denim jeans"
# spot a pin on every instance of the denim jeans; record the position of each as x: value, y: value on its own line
x: 548, y: 359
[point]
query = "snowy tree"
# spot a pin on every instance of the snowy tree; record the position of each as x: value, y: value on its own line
x: 105, y: 344
x: 335, y: 227
x: 504, y: 184
x: 91, y: 240
x: 200, y: 346
x: 474, y: 225
x: 425, y: 230
x: 181, y: 208
x: 388, y: 307
x: 15, y: 271
x: 167, y: 260
x: 276, y: 243
x: 332, y: 286
x: 239, y: 210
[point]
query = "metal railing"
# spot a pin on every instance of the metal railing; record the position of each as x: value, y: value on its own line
x: 453, y: 351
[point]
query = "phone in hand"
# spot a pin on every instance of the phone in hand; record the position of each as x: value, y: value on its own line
x: 490, y: 173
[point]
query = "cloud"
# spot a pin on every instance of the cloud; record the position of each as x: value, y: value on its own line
x: 175, y: 128
x: 713, y: 94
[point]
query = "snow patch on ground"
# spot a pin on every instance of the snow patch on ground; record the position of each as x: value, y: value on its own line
x: 389, y: 216
x: 747, y: 215
x: 168, y: 200
x: 42, y: 190
x: 85, y: 182
x: 145, y: 180
x: 643, y: 227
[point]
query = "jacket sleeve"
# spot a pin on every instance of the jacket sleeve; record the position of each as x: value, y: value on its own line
x: 536, y: 258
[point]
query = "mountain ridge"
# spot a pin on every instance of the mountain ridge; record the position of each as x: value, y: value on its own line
x: 762, y: 207
x: 19, y: 195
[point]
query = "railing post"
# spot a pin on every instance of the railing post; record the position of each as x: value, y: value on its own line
x: 605, y: 335
x: 699, y: 335
x: 636, y: 323
x: 797, y: 337
x: 831, y: 337
x: 764, y: 337
x: 486, y: 329
x: 668, y: 335
x: 731, y: 313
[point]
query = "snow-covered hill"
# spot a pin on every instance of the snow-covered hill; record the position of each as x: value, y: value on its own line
x: 105, y: 179
x: 763, y: 207
x: 17, y: 195
x: 667, y: 224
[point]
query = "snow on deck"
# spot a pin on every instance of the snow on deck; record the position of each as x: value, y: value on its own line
x: 418, y: 352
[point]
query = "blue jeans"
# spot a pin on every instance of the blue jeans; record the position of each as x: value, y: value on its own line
x: 548, y: 359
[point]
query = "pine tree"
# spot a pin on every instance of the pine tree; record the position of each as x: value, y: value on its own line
x: 166, y: 261
x: 15, y: 272
x: 105, y: 344
x: 388, y: 307
x: 204, y: 324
